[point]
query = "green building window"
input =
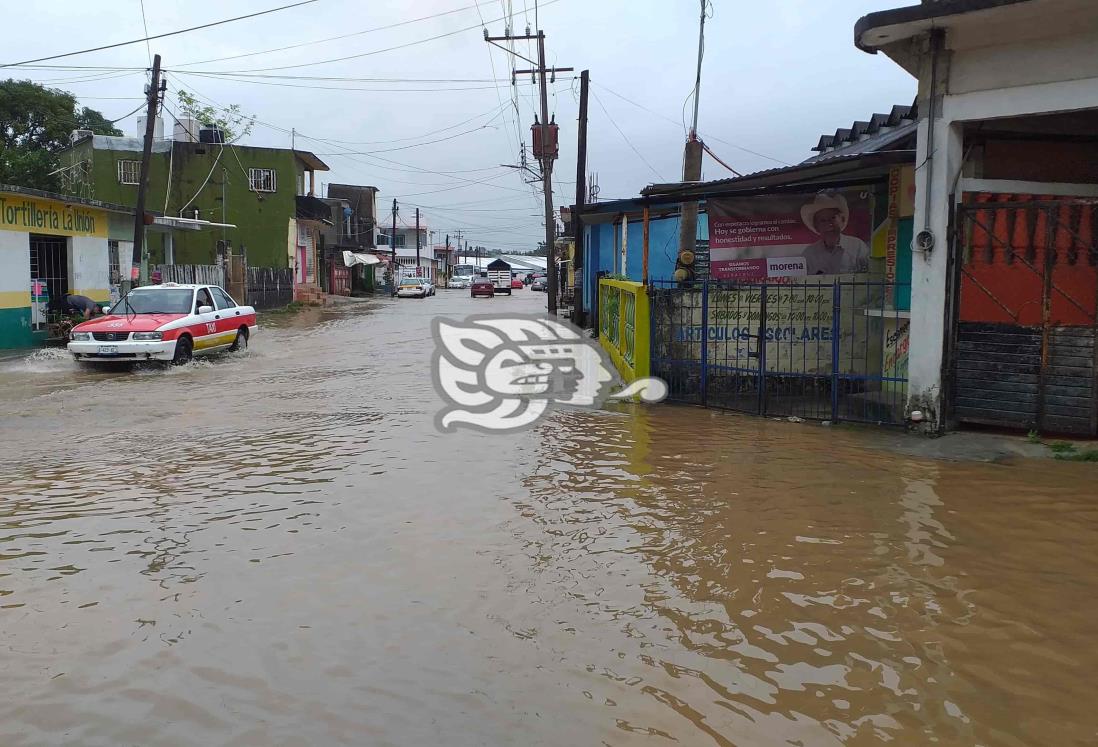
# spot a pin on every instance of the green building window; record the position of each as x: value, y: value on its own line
x: 262, y: 180
x: 129, y: 172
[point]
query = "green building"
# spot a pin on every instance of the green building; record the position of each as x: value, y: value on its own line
x: 253, y: 189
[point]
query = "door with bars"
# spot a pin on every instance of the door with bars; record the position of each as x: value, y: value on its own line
x: 49, y: 272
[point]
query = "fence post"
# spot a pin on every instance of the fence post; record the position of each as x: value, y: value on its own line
x: 705, y: 344
x: 836, y: 311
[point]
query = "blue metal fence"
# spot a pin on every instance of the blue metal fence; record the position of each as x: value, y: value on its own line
x: 820, y: 350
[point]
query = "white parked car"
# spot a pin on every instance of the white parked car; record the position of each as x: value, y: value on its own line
x: 415, y: 288
x: 460, y: 282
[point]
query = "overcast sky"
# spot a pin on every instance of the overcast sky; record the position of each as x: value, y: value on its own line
x: 776, y: 76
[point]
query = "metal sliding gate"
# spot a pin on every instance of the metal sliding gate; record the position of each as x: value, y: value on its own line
x: 1024, y: 351
x: 816, y: 350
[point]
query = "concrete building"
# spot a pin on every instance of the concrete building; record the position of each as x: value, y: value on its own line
x: 52, y: 245
x: 1004, y: 277
x: 360, y: 217
x: 249, y: 187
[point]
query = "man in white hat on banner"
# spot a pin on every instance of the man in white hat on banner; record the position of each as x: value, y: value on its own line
x: 835, y: 253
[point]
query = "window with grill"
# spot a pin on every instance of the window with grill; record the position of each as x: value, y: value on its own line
x: 113, y: 264
x: 129, y: 172
x: 263, y: 180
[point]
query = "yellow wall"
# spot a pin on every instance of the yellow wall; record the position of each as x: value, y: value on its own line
x: 621, y: 292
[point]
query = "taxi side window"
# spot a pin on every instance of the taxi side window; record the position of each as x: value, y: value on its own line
x: 202, y: 298
x: 222, y: 298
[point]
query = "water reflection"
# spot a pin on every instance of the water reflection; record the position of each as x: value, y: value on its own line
x: 279, y: 549
x: 795, y: 586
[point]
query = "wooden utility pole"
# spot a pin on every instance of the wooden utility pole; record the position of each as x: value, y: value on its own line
x: 547, y: 156
x: 393, y: 248
x: 578, y: 313
x: 692, y: 160
x: 140, y: 253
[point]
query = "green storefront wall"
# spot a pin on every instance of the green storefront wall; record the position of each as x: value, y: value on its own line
x: 15, y: 329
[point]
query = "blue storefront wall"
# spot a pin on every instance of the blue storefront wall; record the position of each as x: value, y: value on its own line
x: 602, y: 250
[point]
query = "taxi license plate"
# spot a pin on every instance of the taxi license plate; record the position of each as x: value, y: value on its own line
x: 107, y: 349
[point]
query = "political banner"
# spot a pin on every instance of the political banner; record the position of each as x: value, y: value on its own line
x: 773, y: 238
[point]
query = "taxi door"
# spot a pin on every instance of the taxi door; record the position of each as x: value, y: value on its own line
x: 228, y: 318
x: 204, y: 326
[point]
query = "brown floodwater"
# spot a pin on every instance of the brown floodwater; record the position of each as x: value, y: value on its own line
x: 278, y: 548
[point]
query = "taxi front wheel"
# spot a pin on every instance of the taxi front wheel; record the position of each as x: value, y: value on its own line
x: 184, y: 351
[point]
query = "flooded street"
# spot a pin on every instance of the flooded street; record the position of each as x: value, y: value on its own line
x: 278, y: 548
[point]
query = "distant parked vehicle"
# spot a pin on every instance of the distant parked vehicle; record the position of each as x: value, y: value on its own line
x: 516, y: 284
x: 414, y: 288
x: 459, y: 281
x: 499, y: 272
x: 539, y: 284
x: 482, y: 286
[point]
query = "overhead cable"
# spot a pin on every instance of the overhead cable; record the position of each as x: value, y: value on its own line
x: 159, y: 36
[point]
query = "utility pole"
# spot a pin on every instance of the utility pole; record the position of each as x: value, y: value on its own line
x: 458, y: 235
x: 393, y: 248
x: 548, y: 153
x: 140, y: 253
x: 581, y: 179
x: 417, y: 242
x: 692, y: 162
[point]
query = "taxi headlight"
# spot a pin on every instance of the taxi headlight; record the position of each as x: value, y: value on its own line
x: 148, y: 335
x: 81, y: 336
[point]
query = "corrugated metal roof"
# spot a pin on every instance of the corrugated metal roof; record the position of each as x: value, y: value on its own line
x: 861, y: 131
x: 873, y: 144
x: 822, y: 168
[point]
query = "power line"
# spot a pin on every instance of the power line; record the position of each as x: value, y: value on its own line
x: 679, y: 124
x: 376, y: 51
x: 330, y: 38
x: 626, y: 139
x: 462, y: 182
x: 417, y: 137
x: 145, y: 23
x: 339, y: 88
x: 159, y: 36
x: 414, y: 145
x: 327, y: 78
x: 135, y: 111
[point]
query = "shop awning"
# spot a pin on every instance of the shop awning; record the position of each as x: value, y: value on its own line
x: 350, y: 259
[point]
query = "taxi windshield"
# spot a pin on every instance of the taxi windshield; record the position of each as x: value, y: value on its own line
x: 155, y: 301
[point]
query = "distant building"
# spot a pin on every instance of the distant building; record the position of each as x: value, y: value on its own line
x: 250, y: 187
x: 359, y: 217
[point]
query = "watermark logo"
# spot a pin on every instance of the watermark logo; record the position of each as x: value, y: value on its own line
x: 501, y: 373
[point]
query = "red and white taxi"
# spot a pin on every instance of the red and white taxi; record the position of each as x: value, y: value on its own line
x: 169, y: 322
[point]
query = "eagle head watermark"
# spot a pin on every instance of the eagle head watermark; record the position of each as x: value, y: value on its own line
x: 502, y: 373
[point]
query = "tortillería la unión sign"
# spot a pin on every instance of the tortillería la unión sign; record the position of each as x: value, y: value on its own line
x: 36, y: 215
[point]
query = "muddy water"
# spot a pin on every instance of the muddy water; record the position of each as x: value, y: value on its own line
x: 278, y: 549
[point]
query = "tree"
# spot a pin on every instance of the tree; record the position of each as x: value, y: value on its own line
x: 35, y: 123
x: 233, y: 123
